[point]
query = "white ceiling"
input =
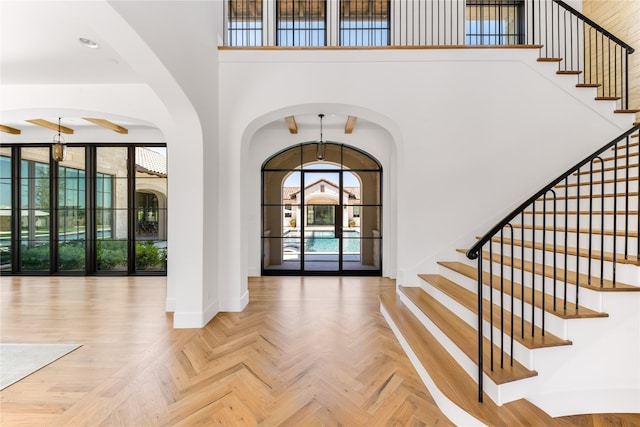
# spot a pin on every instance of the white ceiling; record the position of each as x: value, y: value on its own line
x: 39, y: 44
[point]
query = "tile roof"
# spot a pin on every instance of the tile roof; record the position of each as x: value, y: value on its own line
x: 151, y: 162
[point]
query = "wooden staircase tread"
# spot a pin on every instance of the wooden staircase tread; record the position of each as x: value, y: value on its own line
x: 608, y: 256
x: 590, y: 196
x: 541, y: 59
x: 451, y: 379
x: 572, y: 277
x: 607, y: 169
x: 626, y: 111
x: 465, y: 337
x: 624, y: 146
x: 594, y: 212
x: 599, y: 182
x: 607, y: 98
x: 568, y: 72
x: 619, y: 233
x: 588, y: 85
x: 469, y: 300
x: 571, y: 312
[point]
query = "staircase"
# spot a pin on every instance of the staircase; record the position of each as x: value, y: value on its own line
x: 559, y: 281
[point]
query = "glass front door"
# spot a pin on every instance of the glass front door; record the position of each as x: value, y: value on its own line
x: 321, y: 217
x: 321, y: 225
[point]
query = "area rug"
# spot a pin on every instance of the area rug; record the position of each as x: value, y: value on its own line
x: 20, y: 360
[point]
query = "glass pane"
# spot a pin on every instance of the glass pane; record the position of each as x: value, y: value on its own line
x: 281, y: 253
x: 281, y: 187
x: 370, y: 190
x: 6, y: 204
x: 355, y: 159
x: 111, y: 255
x: 35, y: 233
x: 72, y: 255
x: 111, y: 208
x: 364, y: 23
x: 72, y: 232
x: 289, y: 159
x: 34, y: 255
x: 244, y: 23
x: 151, y: 209
x: 111, y: 191
x: 493, y: 24
x: 301, y: 23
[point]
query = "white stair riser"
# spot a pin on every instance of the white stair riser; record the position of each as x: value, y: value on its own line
x: 520, y: 353
x: 555, y: 325
x: 500, y: 394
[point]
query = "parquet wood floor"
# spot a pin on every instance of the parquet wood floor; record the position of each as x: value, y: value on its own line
x: 305, y: 352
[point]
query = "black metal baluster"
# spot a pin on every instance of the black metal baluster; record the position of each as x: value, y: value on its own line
x: 566, y: 237
x: 533, y: 271
x: 480, y: 328
x: 522, y: 240
x: 602, y: 235
x: 502, y: 297
x: 491, y: 302
x: 615, y: 213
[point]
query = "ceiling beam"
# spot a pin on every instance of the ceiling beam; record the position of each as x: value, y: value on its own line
x: 8, y: 129
x: 351, y: 123
x: 108, y: 125
x: 50, y: 125
x: 291, y: 124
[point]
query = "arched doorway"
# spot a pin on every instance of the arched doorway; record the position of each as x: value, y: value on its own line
x: 321, y: 213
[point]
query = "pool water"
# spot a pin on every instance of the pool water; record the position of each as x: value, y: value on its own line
x: 324, y: 241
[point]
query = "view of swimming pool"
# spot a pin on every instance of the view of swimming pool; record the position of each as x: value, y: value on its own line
x: 317, y: 241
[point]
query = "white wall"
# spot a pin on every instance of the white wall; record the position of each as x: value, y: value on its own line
x: 470, y: 133
x: 190, y: 56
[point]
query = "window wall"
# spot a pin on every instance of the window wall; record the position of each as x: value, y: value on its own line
x: 80, y: 215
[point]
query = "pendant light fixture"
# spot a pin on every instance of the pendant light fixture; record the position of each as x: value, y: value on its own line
x: 320, y: 148
x: 59, y: 149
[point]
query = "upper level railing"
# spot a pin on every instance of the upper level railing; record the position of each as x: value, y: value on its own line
x: 578, y: 44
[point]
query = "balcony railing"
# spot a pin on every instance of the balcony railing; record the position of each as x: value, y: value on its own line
x: 579, y: 45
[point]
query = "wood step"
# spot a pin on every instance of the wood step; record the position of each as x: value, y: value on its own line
x: 568, y: 72
x: 594, y: 213
x: 589, y: 196
x: 597, y: 232
x: 465, y: 337
x: 451, y: 379
x: 630, y: 145
x: 549, y: 59
x: 606, y: 181
x: 572, y: 278
x: 469, y: 300
x: 608, y: 256
x: 570, y: 312
x: 621, y: 156
x: 607, y: 98
x: 607, y: 169
x: 588, y: 85
x: 626, y: 111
